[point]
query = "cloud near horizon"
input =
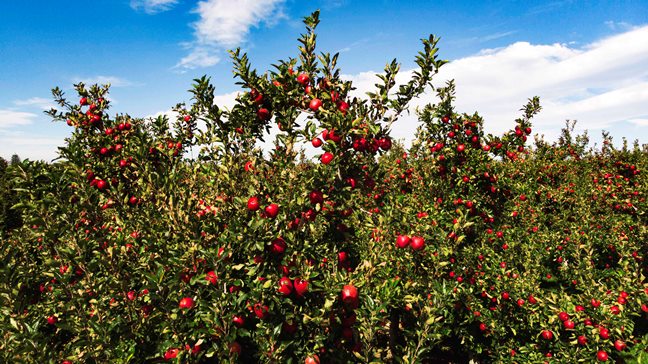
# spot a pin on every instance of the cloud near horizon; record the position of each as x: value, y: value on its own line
x: 12, y: 118
x: 600, y: 85
x: 38, y: 102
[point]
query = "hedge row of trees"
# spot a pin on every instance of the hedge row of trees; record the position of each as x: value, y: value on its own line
x: 9, y: 218
x: 466, y: 246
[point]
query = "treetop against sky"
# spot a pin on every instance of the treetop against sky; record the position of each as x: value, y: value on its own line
x: 585, y: 60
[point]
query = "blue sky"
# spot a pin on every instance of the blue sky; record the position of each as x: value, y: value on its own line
x: 586, y: 60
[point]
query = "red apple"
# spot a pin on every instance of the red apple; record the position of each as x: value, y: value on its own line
x: 385, y: 143
x: 264, y: 114
x: 601, y: 355
x: 235, y: 348
x: 102, y: 185
x: 343, y: 107
x: 315, y: 104
x: 253, y: 203
x: 595, y: 303
x: 278, y: 246
x: 520, y: 302
x: 131, y: 295
x: 417, y: 243
x: 285, y: 286
x: 301, y: 286
x: 316, y: 197
x: 261, y: 311
x: 313, y: 359
x: 350, y: 295
x: 211, y: 277
x: 604, y: 333
x: 326, y: 158
x: 569, y: 324
x: 171, y: 353
x: 303, y: 79
x: 342, y: 257
x: 238, y: 321
x: 186, y: 303
x: 402, y: 241
x: 563, y: 316
x: 547, y: 335
x: 272, y: 210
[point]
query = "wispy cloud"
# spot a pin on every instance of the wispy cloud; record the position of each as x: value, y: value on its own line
x: 39, y: 102
x: 482, y: 39
x: 620, y: 25
x: 225, y: 23
x: 548, y: 6
x: 361, y: 42
x: 104, y: 80
x: 639, y: 122
x: 332, y: 4
x: 199, y: 57
x: 495, y: 36
x: 153, y: 6
x: 34, y: 147
x: 12, y: 118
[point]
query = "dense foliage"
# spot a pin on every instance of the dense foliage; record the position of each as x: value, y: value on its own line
x: 9, y: 217
x: 466, y: 246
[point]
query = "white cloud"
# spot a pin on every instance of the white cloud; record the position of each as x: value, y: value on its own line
x: 548, y: 6
x: 461, y: 42
x: 39, y: 102
x: 32, y: 146
x: 226, y: 23
x: 152, y: 6
x: 601, y: 85
x: 619, y: 25
x: 198, y: 58
x: 11, y: 118
x: 170, y: 114
x: 639, y: 122
x: 104, y: 80
x: 226, y: 101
